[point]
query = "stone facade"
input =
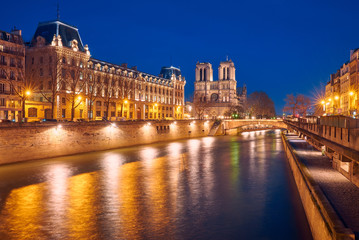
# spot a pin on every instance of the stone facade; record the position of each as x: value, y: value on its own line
x: 341, y: 92
x: 12, y: 70
x: 217, y: 96
x: 44, y: 140
x: 77, y: 86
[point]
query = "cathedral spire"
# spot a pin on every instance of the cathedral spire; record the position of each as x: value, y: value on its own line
x: 58, y: 10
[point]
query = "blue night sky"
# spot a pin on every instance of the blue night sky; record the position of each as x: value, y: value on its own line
x: 279, y: 47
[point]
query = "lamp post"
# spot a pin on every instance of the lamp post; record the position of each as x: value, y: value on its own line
x: 336, y: 98
x: 155, y: 111
x: 123, y: 106
x: 24, y: 98
x: 323, y: 103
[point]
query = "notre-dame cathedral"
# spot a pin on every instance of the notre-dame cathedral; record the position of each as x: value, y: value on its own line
x: 218, y: 96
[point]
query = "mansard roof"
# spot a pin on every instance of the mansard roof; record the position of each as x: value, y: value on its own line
x: 67, y: 32
x: 168, y: 71
x: 146, y: 76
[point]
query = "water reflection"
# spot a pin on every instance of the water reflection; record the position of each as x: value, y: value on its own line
x: 208, y: 188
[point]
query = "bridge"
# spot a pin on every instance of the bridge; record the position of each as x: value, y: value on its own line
x: 241, y: 125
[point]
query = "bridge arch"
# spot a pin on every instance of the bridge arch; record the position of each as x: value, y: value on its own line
x: 235, y: 126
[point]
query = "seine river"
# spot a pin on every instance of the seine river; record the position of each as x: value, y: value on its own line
x: 229, y: 187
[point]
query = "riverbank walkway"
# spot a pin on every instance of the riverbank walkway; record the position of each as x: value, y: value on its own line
x: 340, y: 192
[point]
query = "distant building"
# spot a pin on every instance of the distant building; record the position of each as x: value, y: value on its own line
x: 12, y: 71
x: 218, y: 96
x: 88, y: 88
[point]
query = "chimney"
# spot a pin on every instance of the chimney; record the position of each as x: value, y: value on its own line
x: 124, y: 65
x: 16, y: 31
x: 134, y: 68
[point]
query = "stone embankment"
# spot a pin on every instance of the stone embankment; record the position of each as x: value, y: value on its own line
x: 330, y: 200
x: 39, y: 140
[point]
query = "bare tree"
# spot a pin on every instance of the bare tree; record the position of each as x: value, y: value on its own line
x: 299, y: 104
x: 126, y: 88
x: 22, y: 88
x: 260, y: 105
x: 235, y: 111
x: 75, y: 83
x: 94, y: 89
x: 201, y: 107
x: 109, y: 94
x: 54, y: 83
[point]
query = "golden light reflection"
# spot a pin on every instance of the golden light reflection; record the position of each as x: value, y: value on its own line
x: 56, y: 204
x: 83, y: 209
x: 130, y: 201
x: 22, y: 214
x: 159, y: 195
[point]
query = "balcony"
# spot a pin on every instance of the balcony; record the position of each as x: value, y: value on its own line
x: 17, y: 53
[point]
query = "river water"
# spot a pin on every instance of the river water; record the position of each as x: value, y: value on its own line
x: 229, y: 187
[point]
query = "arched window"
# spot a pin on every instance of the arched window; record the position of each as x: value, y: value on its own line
x: 228, y: 73
x: 200, y: 74
x: 204, y: 74
x: 224, y: 73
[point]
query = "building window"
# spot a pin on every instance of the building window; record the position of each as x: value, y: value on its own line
x: 63, y: 113
x: 12, y: 75
x: 41, y: 60
x: 98, y: 103
x: 41, y: 72
x: 32, y: 112
x: 113, y: 114
x: 81, y: 113
x: 2, y: 101
x: 63, y: 100
x: 98, y: 113
x: 2, y: 87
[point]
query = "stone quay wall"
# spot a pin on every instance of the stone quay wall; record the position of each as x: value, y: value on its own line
x: 322, y: 218
x: 30, y: 141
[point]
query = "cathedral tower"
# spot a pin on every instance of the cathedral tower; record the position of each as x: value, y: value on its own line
x: 204, y: 72
x: 226, y: 71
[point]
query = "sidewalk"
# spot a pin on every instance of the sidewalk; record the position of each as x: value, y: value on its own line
x: 340, y: 192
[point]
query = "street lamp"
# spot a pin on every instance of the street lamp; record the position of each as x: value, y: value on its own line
x: 28, y: 93
x: 335, y: 104
x: 323, y: 103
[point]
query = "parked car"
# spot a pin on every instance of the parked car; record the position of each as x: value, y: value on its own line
x: 48, y: 120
